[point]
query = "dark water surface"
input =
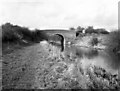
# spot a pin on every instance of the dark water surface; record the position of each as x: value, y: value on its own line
x: 106, y: 59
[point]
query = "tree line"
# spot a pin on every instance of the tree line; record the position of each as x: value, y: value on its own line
x: 89, y: 30
x: 14, y: 33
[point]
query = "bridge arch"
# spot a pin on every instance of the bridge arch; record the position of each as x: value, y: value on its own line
x: 62, y: 41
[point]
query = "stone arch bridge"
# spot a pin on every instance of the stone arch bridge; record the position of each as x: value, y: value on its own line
x: 62, y: 36
x: 66, y: 34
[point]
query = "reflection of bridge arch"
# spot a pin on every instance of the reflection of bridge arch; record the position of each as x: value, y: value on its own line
x: 62, y: 41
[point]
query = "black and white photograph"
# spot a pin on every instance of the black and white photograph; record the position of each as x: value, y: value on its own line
x: 60, y: 45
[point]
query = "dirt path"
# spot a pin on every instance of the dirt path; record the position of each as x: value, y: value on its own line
x: 19, y: 67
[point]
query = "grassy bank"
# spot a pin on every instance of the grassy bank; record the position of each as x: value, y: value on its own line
x: 109, y: 41
x: 57, y: 72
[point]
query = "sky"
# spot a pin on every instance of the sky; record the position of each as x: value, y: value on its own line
x: 119, y: 15
x: 44, y: 14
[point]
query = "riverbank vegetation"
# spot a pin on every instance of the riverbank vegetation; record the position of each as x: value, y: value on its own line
x: 14, y: 36
x: 98, y: 38
x: 113, y: 41
x: 90, y: 30
x: 59, y: 72
x: 14, y: 33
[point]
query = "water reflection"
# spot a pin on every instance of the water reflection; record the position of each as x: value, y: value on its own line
x: 104, y: 58
x: 111, y: 58
x: 87, y: 52
x: 58, y: 45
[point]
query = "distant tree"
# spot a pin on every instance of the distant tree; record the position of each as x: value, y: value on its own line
x: 79, y: 30
x: 103, y: 31
x: 8, y: 33
x: 17, y: 34
x: 113, y: 42
x: 72, y: 29
x: 94, y: 41
x: 90, y: 27
x: 89, y: 30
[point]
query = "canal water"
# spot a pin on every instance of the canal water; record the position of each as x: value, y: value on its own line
x: 106, y: 59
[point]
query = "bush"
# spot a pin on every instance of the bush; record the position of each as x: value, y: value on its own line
x: 72, y: 29
x: 90, y: 30
x: 102, y: 31
x: 14, y: 33
x: 79, y: 30
x: 114, y: 41
x: 94, y: 41
x: 8, y: 33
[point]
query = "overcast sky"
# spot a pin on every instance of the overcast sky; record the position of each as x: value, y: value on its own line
x: 60, y: 13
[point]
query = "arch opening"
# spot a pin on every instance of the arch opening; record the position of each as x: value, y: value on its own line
x: 62, y: 41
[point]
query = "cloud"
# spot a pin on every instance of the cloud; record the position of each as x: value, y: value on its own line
x: 60, y: 13
x: 119, y: 15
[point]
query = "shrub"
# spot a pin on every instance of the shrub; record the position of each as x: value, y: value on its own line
x: 102, y: 31
x: 8, y: 33
x: 79, y: 31
x: 114, y: 41
x: 13, y: 33
x: 90, y: 30
x: 72, y: 29
x: 94, y: 41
